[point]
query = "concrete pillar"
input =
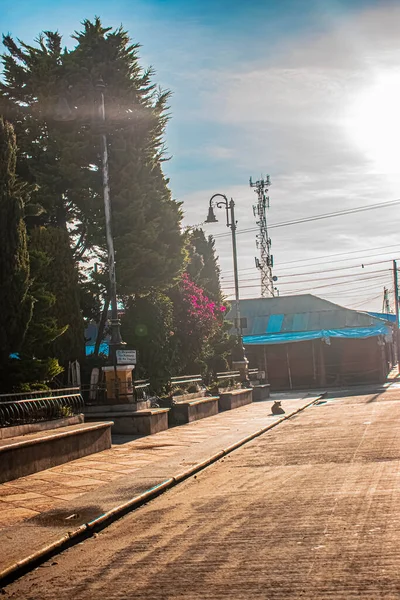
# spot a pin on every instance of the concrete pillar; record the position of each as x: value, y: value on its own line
x: 119, y: 383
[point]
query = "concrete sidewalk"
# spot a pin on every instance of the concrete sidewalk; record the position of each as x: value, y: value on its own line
x: 39, y: 509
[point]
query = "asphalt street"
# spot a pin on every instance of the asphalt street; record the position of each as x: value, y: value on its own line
x: 311, y: 510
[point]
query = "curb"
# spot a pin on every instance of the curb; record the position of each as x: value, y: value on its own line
x: 87, y: 530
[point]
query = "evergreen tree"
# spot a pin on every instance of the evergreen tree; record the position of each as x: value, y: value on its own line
x: 146, y: 221
x: 43, y: 85
x: 60, y: 278
x: 203, y: 264
x: 148, y: 326
x: 43, y: 328
x: 15, y: 300
x: 51, y: 96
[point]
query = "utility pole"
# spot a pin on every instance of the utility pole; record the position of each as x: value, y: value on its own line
x: 263, y: 241
x: 396, y: 309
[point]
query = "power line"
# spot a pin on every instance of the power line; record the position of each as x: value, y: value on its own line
x: 306, y: 260
x: 310, y: 287
x: 329, y: 285
x: 229, y: 280
x: 331, y: 215
x: 368, y: 300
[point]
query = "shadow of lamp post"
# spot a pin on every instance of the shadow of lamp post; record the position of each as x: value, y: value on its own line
x: 239, y: 360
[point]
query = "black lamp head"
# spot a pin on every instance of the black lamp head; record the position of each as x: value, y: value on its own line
x: 211, y: 218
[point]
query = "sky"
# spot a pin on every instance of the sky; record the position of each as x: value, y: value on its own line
x: 307, y: 91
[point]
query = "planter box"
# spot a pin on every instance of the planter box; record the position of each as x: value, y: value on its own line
x: 27, y: 454
x: 261, y: 392
x: 193, y: 410
x: 235, y: 398
x: 128, y: 421
x: 17, y: 430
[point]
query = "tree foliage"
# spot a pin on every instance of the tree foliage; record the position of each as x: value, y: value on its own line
x: 148, y: 326
x: 182, y: 331
x: 15, y: 300
x: 57, y: 281
x: 52, y: 96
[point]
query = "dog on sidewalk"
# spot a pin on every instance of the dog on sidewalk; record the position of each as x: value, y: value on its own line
x: 277, y: 409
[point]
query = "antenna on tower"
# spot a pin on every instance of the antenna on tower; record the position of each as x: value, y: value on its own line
x: 263, y: 242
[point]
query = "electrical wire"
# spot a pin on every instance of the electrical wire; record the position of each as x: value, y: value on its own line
x: 311, y: 287
x: 331, y: 215
x: 306, y: 260
x: 316, y: 273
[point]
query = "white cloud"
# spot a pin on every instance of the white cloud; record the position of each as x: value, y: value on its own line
x: 289, y: 115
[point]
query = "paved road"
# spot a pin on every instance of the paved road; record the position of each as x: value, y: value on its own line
x: 309, y: 510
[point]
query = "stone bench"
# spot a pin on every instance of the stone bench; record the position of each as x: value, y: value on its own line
x: 128, y: 420
x: 27, y: 454
x: 235, y: 398
x: 189, y: 410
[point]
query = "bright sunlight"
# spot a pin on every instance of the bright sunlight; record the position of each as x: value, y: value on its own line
x: 373, y: 122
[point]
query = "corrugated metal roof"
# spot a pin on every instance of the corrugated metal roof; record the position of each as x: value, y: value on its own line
x: 306, y: 312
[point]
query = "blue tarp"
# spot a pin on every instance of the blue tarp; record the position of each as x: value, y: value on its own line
x: 302, y: 336
x: 103, y: 349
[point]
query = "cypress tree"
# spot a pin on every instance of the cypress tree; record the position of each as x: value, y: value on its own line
x: 43, y: 84
x: 203, y: 263
x: 15, y: 301
x: 146, y: 220
x: 60, y: 279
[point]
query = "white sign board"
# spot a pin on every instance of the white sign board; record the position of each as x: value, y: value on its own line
x: 126, y: 357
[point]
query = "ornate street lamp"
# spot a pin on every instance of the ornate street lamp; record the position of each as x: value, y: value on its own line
x: 239, y: 360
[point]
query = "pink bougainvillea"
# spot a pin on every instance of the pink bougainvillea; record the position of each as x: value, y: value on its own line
x: 203, y: 312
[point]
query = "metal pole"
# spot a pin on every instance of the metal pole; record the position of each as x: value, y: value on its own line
x: 396, y: 308
x: 235, y: 269
x: 116, y: 339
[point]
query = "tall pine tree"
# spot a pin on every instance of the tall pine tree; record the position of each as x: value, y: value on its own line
x: 15, y: 301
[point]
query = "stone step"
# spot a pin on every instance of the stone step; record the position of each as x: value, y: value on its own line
x: 134, y: 422
x: 194, y: 409
x: 27, y: 454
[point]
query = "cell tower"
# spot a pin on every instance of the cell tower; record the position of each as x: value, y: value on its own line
x: 263, y: 242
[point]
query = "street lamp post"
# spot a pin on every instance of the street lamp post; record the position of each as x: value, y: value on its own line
x: 238, y: 356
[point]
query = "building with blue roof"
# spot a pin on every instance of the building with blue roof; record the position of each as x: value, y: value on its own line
x: 304, y: 341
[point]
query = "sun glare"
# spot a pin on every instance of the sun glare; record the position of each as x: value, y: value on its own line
x: 373, y: 122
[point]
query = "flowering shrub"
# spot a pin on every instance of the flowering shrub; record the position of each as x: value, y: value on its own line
x: 203, y: 314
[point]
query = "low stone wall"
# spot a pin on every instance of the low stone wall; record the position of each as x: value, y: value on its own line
x: 193, y: 410
x: 235, y: 398
x: 32, y: 453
